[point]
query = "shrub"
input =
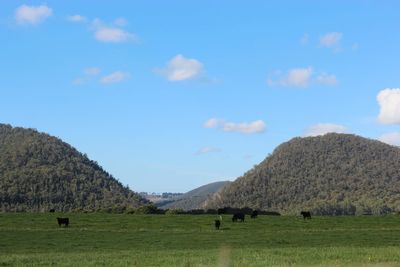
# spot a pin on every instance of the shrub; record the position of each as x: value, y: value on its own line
x: 174, y: 211
x: 147, y: 209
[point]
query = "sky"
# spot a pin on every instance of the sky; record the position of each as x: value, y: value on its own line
x: 171, y: 95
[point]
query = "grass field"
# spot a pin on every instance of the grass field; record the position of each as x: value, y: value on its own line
x: 96, y: 239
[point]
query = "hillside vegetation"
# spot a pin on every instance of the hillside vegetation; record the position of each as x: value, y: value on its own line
x: 332, y: 174
x: 193, y: 199
x: 39, y: 172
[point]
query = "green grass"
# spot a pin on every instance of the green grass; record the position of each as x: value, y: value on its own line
x: 190, y: 240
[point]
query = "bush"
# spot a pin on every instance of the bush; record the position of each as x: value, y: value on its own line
x: 130, y: 211
x: 147, y: 209
x: 118, y: 209
x: 195, y: 212
x: 174, y: 211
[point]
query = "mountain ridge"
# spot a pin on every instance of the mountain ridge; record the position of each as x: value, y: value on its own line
x: 331, y: 174
x: 195, y: 198
x: 39, y: 172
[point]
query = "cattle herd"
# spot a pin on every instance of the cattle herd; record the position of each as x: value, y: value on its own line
x: 240, y: 216
x: 237, y: 216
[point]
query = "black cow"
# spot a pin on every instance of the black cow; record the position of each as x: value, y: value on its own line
x: 238, y: 216
x: 254, y: 214
x: 221, y: 211
x: 62, y: 221
x: 52, y: 210
x: 217, y: 224
x: 306, y: 214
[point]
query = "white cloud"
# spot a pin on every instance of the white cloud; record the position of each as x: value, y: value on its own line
x: 115, y: 77
x: 92, y: 71
x: 247, y: 128
x: 211, y: 123
x: 76, y: 18
x: 113, y: 35
x: 257, y: 126
x: 389, y: 102
x: 331, y: 39
x: 324, y: 128
x: 32, y: 14
x: 180, y: 68
x: 97, y: 23
x: 120, y: 22
x: 79, y: 81
x: 301, y: 77
x: 107, y: 33
x: 88, y: 73
x: 206, y: 150
x: 391, y: 138
x: 304, y: 39
x: 298, y: 77
x: 326, y: 79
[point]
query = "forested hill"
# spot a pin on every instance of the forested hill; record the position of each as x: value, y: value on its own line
x: 39, y: 172
x: 330, y: 174
x: 194, y: 199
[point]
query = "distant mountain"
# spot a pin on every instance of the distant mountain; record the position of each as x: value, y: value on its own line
x: 330, y: 174
x: 193, y: 199
x: 39, y: 172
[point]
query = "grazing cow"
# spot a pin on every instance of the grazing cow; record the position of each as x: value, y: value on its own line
x: 52, y: 210
x: 306, y: 214
x: 254, y: 214
x: 221, y: 211
x: 64, y: 221
x: 238, y: 216
x: 217, y: 224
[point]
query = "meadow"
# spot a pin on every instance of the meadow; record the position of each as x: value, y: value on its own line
x: 101, y: 239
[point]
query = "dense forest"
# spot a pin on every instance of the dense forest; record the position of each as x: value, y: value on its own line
x: 194, y: 199
x: 333, y: 174
x: 39, y: 172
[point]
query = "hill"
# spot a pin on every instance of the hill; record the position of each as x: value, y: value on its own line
x: 39, y: 172
x: 330, y: 174
x: 193, y: 199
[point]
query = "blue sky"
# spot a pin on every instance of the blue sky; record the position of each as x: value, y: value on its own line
x: 171, y: 95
